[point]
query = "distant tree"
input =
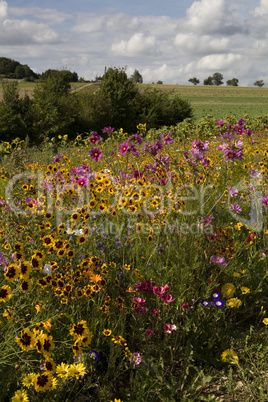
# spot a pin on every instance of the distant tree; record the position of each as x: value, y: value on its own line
x: 208, y: 81
x: 259, y: 83
x: 67, y: 75
x: 217, y: 79
x: 233, y: 82
x: 137, y: 77
x: 194, y: 80
x: 13, y: 69
x: 159, y: 82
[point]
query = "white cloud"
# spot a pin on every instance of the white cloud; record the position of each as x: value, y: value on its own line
x: 48, y: 15
x: 139, y: 44
x: 217, y: 16
x: 262, y: 9
x: 191, y: 44
x: 3, y: 9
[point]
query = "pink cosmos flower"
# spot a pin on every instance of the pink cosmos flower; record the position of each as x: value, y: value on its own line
x: 218, y: 260
x: 123, y: 148
x: 96, y: 154
x: 236, y: 207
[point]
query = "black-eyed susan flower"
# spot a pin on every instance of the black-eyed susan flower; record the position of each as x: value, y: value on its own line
x: 26, y: 340
x: 79, y: 330
x: 48, y: 344
x: 12, y: 272
x: 50, y: 365
x: 107, y: 332
x: 43, y: 382
x: 5, y: 293
x: 25, y: 285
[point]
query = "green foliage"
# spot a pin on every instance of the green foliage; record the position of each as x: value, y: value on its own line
x: 137, y: 77
x: 66, y: 75
x: 259, y: 83
x: 13, y: 69
x: 216, y: 79
x: 159, y: 109
x: 233, y: 82
x: 194, y: 80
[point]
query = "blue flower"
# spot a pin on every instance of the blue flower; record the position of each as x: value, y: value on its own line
x: 218, y: 303
x: 205, y: 302
x: 215, y: 295
x: 94, y: 354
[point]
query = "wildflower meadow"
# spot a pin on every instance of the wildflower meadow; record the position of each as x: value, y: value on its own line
x: 134, y: 265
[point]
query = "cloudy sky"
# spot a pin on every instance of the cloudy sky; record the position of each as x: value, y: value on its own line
x: 171, y: 40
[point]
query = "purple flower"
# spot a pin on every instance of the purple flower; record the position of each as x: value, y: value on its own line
x: 135, y: 358
x: 218, y: 260
x: 207, y: 220
x: 233, y: 191
x: 96, y: 154
x: 236, y: 207
x: 107, y: 130
x: 220, y: 122
x: 199, y: 148
x: 233, y: 154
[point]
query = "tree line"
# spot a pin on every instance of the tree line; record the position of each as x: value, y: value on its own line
x: 217, y: 79
x: 15, y: 70
x: 53, y: 110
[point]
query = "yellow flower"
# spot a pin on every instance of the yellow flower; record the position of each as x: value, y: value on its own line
x: 20, y: 396
x: 265, y: 321
x: 229, y: 356
x: 26, y: 340
x: 28, y: 380
x: 5, y: 293
x: 245, y: 290
x: 77, y: 370
x: 107, y: 332
x: 234, y: 302
x: 228, y: 290
x: 238, y: 226
x: 62, y: 370
x: 8, y: 315
x: 43, y: 382
x: 236, y: 274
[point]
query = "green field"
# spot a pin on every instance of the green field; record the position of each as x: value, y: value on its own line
x: 220, y: 101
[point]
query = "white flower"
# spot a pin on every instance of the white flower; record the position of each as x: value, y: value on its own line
x: 174, y: 327
x: 78, y: 232
x: 69, y: 231
x: 47, y: 269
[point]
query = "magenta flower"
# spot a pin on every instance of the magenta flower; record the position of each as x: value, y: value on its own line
x: 107, y: 130
x: 139, y: 300
x: 236, y: 207
x: 149, y: 333
x: 207, y: 220
x: 265, y: 200
x: 218, y: 260
x: 167, y: 299
x: 169, y: 328
x: 96, y: 154
x: 135, y: 358
x: 160, y: 290
x: 233, y: 153
x: 220, y: 122
x: 82, y: 181
x: 123, y: 148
